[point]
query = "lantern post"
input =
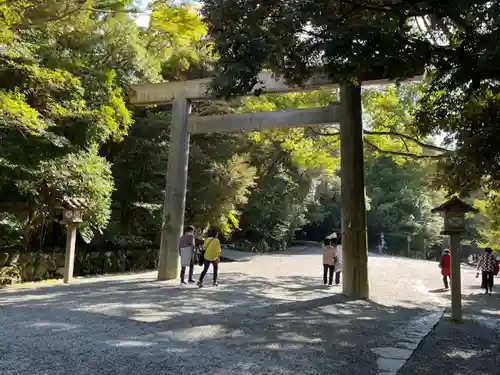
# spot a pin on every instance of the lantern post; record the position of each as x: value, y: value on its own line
x: 72, y: 215
x: 453, y: 212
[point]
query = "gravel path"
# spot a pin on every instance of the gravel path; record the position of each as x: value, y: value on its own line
x: 270, y: 315
x: 457, y: 349
x: 471, y: 348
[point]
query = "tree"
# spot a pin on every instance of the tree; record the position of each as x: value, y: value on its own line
x: 64, y: 69
x: 219, y: 178
x: 487, y: 220
x: 401, y: 201
x: 288, y: 161
x: 372, y: 39
x: 389, y: 115
x: 353, y: 40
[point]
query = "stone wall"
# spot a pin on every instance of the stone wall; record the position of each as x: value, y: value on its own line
x: 20, y: 267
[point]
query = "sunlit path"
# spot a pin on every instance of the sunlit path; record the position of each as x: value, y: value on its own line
x: 270, y: 315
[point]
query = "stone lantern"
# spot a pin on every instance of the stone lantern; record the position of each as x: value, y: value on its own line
x: 453, y: 212
x: 72, y: 214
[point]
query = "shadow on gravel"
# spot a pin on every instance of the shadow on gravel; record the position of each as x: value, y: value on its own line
x: 289, y: 325
x: 439, y: 290
x: 470, y: 348
x: 452, y: 349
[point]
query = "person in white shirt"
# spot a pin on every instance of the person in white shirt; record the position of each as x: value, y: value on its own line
x: 329, y: 255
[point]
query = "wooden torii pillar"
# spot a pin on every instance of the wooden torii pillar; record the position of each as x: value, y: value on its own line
x: 347, y: 113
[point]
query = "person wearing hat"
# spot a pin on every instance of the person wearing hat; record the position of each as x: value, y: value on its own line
x: 331, y: 236
x: 445, y: 265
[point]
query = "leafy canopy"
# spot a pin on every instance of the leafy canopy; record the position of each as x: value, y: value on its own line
x: 455, y: 42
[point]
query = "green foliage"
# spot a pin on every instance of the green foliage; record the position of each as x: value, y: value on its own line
x: 11, y: 231
x: 277, y: 203
x: 177, y: 37
x: 455, y: 42
x: 401, y: 199
x: 220, y: 177
x: 323, y: 215
x: 307, y: 149
x: 388, y: 116
x: 472, y: 125
x: 351, y: 41
x: 66, y: 129
x: 220, y: 180
x: 488, y: 220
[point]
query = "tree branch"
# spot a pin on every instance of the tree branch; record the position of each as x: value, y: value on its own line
x: 404, y: 154
x: 411, y: 10
x: 403, y: 137
x: 390, y: 134
x: 409, y: 138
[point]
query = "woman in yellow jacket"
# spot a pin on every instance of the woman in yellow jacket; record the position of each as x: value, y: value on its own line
x: 211, y: 254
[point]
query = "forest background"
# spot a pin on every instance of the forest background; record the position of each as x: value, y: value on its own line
x: 66, y: 129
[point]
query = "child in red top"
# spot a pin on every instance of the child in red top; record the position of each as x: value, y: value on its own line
x: 445, y: 265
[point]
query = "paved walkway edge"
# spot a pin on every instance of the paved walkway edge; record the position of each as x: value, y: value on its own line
x: 411, y: 337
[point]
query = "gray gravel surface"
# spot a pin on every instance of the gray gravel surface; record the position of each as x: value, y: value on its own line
x: 470, y: 348
x: 270, y: 315
x: 457, y: 349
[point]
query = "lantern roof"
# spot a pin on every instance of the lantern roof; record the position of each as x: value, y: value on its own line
x: 70, y: 203
x: 455, y: 205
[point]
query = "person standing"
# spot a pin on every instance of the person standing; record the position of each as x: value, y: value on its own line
x: 329, y: 254
x: 186, y: 251
x: 211, y: 255
x: 488, y: 266
x: 445, y: 265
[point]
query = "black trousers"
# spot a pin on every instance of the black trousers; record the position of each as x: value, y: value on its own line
x: 487, y: 282
x: 337, y: 277
x: 206, y: 265
x: 191, y: 271
x: 328, y: 271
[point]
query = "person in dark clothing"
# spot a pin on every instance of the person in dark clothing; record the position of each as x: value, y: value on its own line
x: 186, y: 251
x: 487, y: 265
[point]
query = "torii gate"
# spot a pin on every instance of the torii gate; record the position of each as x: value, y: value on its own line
x: 347, y: 113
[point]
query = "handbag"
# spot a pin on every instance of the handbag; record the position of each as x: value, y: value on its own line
x: 201, y: 255
x: 196, y: 255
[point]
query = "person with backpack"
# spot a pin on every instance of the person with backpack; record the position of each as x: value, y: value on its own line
x: 488, y: 265
x: 211, y: 256
x: 445, y: 265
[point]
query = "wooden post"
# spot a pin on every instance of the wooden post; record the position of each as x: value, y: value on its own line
x: 175, y: 192
x: 456, y: 283
x: 408, y: 250
x: 69, y: 260
x: 353, y: 208
x: 454, y: 211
